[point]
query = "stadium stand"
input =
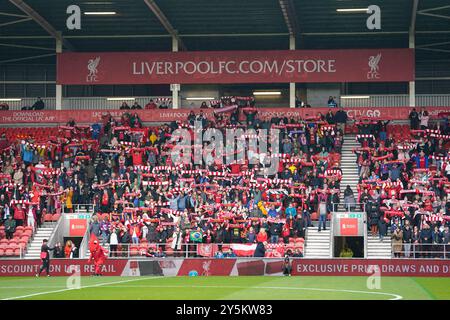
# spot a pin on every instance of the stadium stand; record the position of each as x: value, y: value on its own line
x: 156, y: 208
x: 138, y: 194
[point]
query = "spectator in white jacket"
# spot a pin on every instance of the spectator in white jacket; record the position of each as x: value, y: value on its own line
x: 424, y: 118
x: 113, y: 242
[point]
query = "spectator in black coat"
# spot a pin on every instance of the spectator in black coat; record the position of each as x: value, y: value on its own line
x: 39, y: 104
x: 260, y: 250
x: 407, y: 239
x: 426, y: 239
x: 414, y: 119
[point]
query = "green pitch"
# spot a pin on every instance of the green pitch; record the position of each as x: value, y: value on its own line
x: 225, y: 288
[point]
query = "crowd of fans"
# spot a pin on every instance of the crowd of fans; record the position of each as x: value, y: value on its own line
x: 140, y: 195
x: 404, y: 183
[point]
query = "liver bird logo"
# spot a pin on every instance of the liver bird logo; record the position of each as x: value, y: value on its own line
x: 374, y: 62
x: 92, y: 68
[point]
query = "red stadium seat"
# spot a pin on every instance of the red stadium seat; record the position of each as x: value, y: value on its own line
x: 134, y: 250
x: 169, y: 251
x: 2, y: 252
x: 20, y: 228
x: 23, y: 244
x: 4, y: 241
x: 48, y: 217
x: 27, y: 233
x: 56, y: 217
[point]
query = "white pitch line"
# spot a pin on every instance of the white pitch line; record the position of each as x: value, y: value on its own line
x: 395, y: 296
x: 90, y: 286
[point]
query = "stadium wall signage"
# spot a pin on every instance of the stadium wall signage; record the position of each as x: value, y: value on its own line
x: 233, y: 267
x: 157, y: 115
x: 281, y: 66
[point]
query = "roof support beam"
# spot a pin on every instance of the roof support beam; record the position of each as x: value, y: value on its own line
x: 12, y: 15
x: 118, y: 36
x: 28, y: 58
x: 434, y: 9
x: 433, y: 32
x: 434, y: 15
x: 435, y: 50
x: 165, y: 22
x: 433, y: 44
x: 288, y: 9
x: 25, y: 46
x: 280, y: 34
x: 412, y: 27
x: 354, y: 33
x: 41, y: 21
x: 15, y: 21
x: 412, y: 45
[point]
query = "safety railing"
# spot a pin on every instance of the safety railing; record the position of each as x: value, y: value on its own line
x: 349, y: 207
x: 102, y: 103
x: 394, y: 100
x: 421, y: 251
x: 79, y: 208
x: 185, y: 250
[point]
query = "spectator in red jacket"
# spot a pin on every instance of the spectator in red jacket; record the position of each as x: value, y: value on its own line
x: 262, y: 236
x: 19, y: 215
x: 151, y: 105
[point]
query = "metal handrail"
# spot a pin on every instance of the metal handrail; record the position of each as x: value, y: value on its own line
x: 331, y: 238
x: 76, y: 207
x: 437, y: 251
x: 188, y: 250
x: 366, y: 220
x: 52, y: 235
x: 84, y: 243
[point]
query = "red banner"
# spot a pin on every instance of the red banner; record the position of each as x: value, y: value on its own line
x: 207, y: 267
x: 60, y: 267
x: 364, y: 267
x: 93, y: 116
x: 234, y: 267
x: 207, y: 249
x: 363, y: 65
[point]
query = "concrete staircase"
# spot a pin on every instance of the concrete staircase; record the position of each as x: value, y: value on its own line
x: 377, y: 249
x: 318, y: 244
x: 44, y: 232
x: 349, y: 166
